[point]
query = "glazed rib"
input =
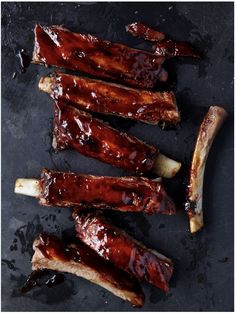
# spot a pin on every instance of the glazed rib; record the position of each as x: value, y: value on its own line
x: 164, y: 47
x: 127, y: 194
x: 108, y: 98
x: 59, y: 47
x: 80, y: 260
x: 78, y: 130
x: 140, y: 30
x: 207, y: 132
x: 116, y: 246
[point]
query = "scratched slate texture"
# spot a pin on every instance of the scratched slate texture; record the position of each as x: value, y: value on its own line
x: 203, y: 279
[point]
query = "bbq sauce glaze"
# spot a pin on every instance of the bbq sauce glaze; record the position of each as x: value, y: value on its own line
x: 125, y: 194
x: 59, y: 47
x: 138, y: 29
x: 126, y: 253
x: 54, y: 249
x: 78, y: 130
x: 35, y: 279
x: 163, y: 46
x: 168, y: 47
x: 114, y: 99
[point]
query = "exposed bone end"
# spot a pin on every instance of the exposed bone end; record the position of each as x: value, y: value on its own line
x: 45, y: 84
x: 165, y: 167
x: 206, y: 135
x: 30, y: 187
x: 196, y: 222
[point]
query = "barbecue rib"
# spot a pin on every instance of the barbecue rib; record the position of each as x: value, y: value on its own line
x: 207, y: 132
x: 80, y: 260
x: 123, y: 251
x: 163, y: 47
x: 108, y: 98
x: 125, y: 194
x: 58, y: 46
x: 75, y: 129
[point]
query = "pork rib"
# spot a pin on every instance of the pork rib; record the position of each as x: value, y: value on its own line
x: 164, y: 47
x: 80, y: 260
x: 123, y: 251
x: 75, y: 129
x: 108, y: 98
x: 127, y: 194
x: 59, y: 47
x: 207, y: 132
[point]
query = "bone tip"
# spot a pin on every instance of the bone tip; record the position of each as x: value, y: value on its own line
x: 30, y: 187
x: 166, y: 167
x: 220, y: 111
x: 45, y: 84
x: 196, y: 223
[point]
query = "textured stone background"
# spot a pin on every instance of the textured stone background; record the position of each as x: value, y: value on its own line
x: 204, y: 263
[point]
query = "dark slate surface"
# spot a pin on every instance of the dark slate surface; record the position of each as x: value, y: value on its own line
x: 203, y: 278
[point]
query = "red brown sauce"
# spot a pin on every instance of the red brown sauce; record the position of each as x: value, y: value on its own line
x: 78, y: 130
x: 164, y: 47
x: 59, y: 47
x: 126, y: 253
x: 125, y: 194
x: 42, y: 277
x: 53, y: 248
x: 138, y: 29
x: 168, y: 47
x: 115, y: 99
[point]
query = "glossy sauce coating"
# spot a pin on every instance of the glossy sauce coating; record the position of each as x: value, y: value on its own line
x: 164, y: 47
x: 168, y: 47
x: 125, y: 194
x: 53, y: 248
x: 108, y: 98
x: 40, y: 277
x: 78, y: 130
x: 59, y: 47
x: 138, y: 29
x: 126, y: 253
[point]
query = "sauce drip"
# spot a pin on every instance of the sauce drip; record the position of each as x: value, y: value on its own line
x: 34, y: 280
x: 24, y: 60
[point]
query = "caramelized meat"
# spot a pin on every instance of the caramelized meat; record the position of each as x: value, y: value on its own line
x: 79, y: 130
x: 123, y: 251
x: 170, y: 48
x: 125, y: 194
x: 164, y: 47
x: 108, y: 98
x: 58, y: 46
x: 138, y: 29
x: 80, y: 260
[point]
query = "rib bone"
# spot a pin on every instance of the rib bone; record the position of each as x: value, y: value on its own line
x: 80, y: 260
x: 207, y: 132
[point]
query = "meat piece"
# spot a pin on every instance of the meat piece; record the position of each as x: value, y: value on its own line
x: 123, y: 251
x: 170, y: 48
x: 207, y: 132
x: 58, y: 46
x: 80, y: 260
x: 78, y: 130
x: 108, y: 98
x: 138, y: 29
x: 127, y: 194
x: 164, y: 47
